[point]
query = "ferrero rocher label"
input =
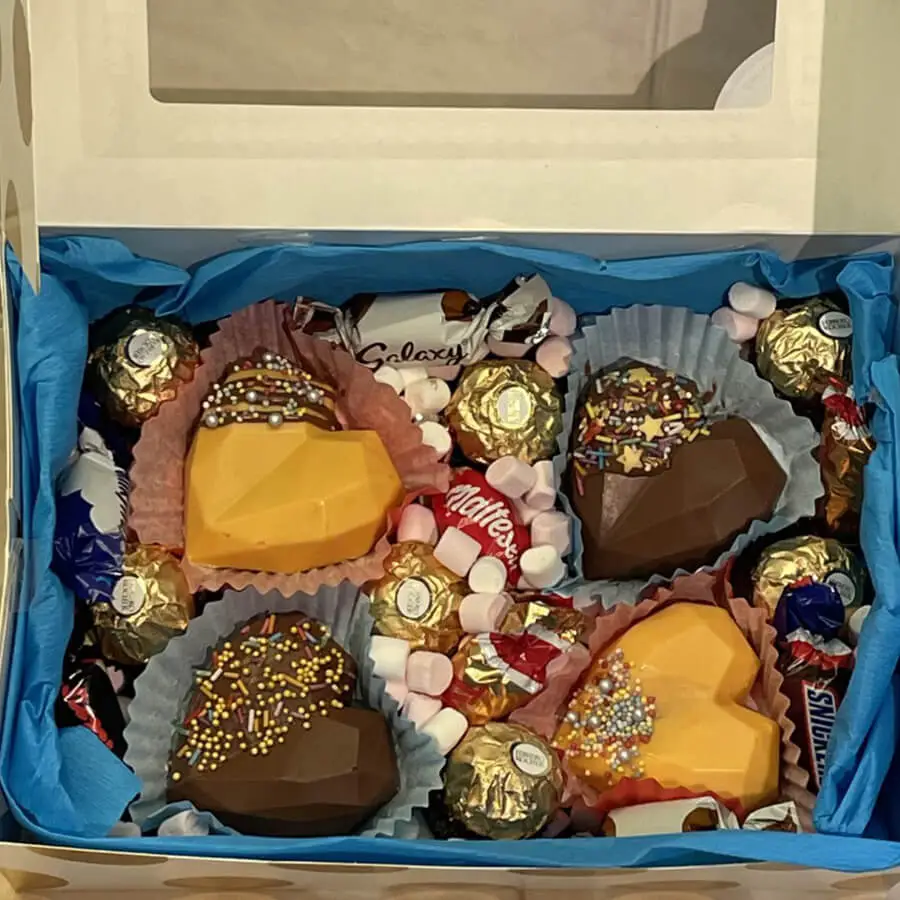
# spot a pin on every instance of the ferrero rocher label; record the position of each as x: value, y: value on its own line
x: 820, y: 559
x: 140, y: 362
x: 503, y: 782
x: 507, y: 407
x: 798, y: 349
x: 150, y: 604
x: 418, y: 599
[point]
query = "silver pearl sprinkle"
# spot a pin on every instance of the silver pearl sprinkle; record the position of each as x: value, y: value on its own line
x: 275, y: 419
x: 605, y: 685
x: 211, y: 421
x: 572, y: 716
x: 252, y: 396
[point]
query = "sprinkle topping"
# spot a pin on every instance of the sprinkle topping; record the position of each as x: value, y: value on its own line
x: 609, y: 719
x: 275, y: 673
x: 633, y: 416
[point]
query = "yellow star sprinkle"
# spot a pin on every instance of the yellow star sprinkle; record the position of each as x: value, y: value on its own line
x: 639, y: 375
x: 651, y: 427
x: 631, y: 458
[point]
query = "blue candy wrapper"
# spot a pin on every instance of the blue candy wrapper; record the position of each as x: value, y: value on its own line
x: 814, y: 606
x: 91, y: 509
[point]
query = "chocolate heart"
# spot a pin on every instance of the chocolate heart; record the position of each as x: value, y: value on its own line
x: 682, y: 516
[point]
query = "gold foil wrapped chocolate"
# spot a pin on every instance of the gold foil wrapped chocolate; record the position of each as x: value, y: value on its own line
x: 503, y: 782
x: 151, y: 603
x: 418, y: 599
x: 140, y: 362
x: 507, y: 407
x: 564, y: 623
x: 821, y: 559
x: 798, y: 349
x: 846, y: 447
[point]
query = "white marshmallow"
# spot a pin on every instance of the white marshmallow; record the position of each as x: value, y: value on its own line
x: 750, y: 300
x: 417, y: 524
x: 554, y: 356
x: 511, y: 476
x: 412, y: 374
x: 527, y: 514
x: 428, y: 397
x: 399, y: 690
x: 184, y: 824
x: 554, y: 528
x: 543, y: 494
x: 487, y: 576
x: 447, y: 728
x: 740, y: 328
x: 542, y: 567
x: 563, y: 320
x: 420, y: 709
x: 429, y: 673
x: 438, y: 436
x: 448, y: 373
x: 389, y: 656
x: 457, y: 551
x: 125, y: 829
x: 390, y: 376
x: 507, y: 349
x: 480, y: 613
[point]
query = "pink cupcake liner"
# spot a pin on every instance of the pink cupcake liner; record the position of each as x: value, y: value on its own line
x: 158, y: 472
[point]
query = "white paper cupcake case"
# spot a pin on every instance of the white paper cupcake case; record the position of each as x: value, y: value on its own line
x: 687, y: 343
x: 161, y: 691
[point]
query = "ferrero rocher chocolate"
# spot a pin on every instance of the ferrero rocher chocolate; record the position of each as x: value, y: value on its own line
x: 846, y: 447
x: 503, y: 782
x: 139, y: 362
x: 508, y: 407
x: 790, y: 561
x: 150, y: 604
x: 418, y: 599
x: 798, y: 349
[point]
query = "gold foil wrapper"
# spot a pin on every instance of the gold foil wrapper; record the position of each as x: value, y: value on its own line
x: 140, y: 363
x: 822, y: 559
x: 567, y: 625
x: 506, y: 407
x: 800, y: 348
x: 503, y: 782
x: 418, y: 599
x: 151, y: 604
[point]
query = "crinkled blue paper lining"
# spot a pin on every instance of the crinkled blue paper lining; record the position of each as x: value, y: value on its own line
x: 66, y: 787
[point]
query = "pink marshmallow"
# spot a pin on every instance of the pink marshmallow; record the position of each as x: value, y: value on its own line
x: 487, y: 576
x: 554, y: 356
x: 417, y: 524
x: 428, y: 396
x: 389, y: 656
x: 398, y: 690
x: 750, y: 300
x: 563, y: 320
x: 438, y: 436
x: 480, y: 613
x: 542, y: 567
x: 420, y: 709
x: 554, y: 528
x: 739, y: 328
x: 527, y: 514
x: 543, y: 494
x: 457, y: 551
x: 447, y: 373
x: 429, y: 673
x: 507, y: 349
x: 511, y: 476
x: 447, y: 728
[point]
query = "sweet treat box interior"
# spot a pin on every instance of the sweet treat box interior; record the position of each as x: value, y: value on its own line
x: 57, y: 802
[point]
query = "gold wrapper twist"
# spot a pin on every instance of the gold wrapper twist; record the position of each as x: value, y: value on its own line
x: 567, y: 625
x: 151, y: 604
x: 503, y: 782
x: 822, y: 559
x: 799, y: 348
x: 141, y: 364
x: 506, y: 407
x: 418, y: 599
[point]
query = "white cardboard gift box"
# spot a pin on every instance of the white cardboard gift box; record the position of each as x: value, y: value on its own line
x: 108, y: 127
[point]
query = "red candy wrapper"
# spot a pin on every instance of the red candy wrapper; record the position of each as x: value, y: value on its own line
x: 475, y: 508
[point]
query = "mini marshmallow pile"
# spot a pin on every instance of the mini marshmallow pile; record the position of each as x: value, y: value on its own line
x: 427, y: 392
x: 416, y: 681
x: 748, y: 305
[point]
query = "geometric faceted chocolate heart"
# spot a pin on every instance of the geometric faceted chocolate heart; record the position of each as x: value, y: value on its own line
x: 666, y: 701
x: 681, y: 516
x: 327, y: 780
